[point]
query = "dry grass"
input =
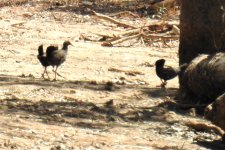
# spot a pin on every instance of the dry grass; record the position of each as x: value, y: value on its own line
x: 142, y: 7
x: 68, y: 2
x: 12, y: 2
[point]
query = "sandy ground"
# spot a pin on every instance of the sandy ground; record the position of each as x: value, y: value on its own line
x: 71, y: 112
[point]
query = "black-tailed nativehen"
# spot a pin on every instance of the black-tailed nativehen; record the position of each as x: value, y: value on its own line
x: 167, y: 73
x: 56, y: 57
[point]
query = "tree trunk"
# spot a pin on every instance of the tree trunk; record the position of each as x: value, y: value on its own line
x: 204, y: 79
x: 202, y: 25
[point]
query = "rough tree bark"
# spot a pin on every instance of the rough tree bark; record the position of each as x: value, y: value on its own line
x: 202, y: 25
x: 202, y: 31
x: 204, y: 79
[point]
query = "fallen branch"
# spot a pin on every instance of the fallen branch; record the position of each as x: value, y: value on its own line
x: 130, y: 32
x: 151, y: 36
x: 125, y: 13
x: 112, y: 20
x: 117, y: 40
x: 162, y: 31
x: 125, y: 33
x: 204, y: 126
x: 120, y: 40
x: 85, y: 38
x: 104, y: 35
x: 128, y: 72
x: 18, y: 23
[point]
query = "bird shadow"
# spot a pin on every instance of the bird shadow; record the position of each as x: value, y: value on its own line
x: 74, y: 108
x: 88, y: 115
x: 85, y: 84
x: 77, y: 113
x: 105, y: 86
x: 161, y: 92
x: 30, y: 80
x: 213, y: 145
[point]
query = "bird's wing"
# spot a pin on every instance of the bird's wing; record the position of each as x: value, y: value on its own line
x: 50, y: 50
x: 169, y: 73
x: 59, y: 56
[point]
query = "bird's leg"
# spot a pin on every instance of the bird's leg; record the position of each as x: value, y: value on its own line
x: 60, y: 75
x: 53, y: 68
x: 163, y: 85
x: 47, y: 72
x: 55, y: 73
x: 43, y: 74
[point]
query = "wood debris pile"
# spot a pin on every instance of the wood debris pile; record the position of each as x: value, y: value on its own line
x: 161, y: 31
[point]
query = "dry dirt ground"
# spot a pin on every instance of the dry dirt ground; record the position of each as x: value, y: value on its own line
x: 71, y: 113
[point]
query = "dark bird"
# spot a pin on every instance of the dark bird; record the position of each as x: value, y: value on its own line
x: 56, y: 57
x: 167, y: 73
x: 43, y: 60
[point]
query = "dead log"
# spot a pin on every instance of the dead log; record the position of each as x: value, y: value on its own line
x: 204, y: 79
x: 200, y: 126
x: 215, y: 112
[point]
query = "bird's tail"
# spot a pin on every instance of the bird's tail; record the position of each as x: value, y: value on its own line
x: 40, y: 50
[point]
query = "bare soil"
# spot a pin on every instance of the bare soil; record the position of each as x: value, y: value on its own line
x: 72, y: 112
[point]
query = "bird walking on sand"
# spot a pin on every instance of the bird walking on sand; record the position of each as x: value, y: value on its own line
x: 43, y: 60
x: 56, y: 57
x: 167, y: 73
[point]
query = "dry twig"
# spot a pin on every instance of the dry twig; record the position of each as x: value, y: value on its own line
x: 129, y: 72
x: 101, y: 16
x: 120, y: 40
x: 125, y: 13
x: 167, y: 30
